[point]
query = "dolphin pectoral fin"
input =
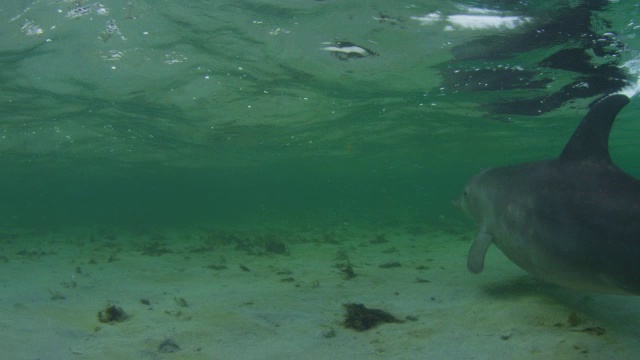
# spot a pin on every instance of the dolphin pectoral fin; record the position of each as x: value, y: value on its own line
x: 479, y: 248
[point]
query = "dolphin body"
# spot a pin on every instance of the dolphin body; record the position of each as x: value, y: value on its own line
x: 573, y: 221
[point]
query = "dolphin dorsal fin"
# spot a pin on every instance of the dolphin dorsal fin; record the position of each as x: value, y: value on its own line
x: 590, y: 141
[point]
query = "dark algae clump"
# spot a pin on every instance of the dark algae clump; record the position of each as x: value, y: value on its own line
x: 360, y: 318
x: 112, y: 314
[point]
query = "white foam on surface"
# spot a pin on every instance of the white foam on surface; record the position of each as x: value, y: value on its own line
x: 476, y: 22
x: 633, y: 68
x: 474, y: 18
x: 477, y: 10
x: 428, y: 19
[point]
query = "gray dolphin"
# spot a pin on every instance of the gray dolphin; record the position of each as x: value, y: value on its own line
x: 573, y: 221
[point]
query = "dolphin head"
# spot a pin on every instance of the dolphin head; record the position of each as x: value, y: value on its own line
x: 473, y: 199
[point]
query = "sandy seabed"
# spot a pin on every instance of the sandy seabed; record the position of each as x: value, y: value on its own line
x: 280, y: 294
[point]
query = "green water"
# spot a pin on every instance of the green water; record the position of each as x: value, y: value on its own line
x: 232, y: 113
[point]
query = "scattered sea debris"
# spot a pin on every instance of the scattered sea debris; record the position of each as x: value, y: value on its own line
x: 34, y: 254
x: 260, y: 244
x: 69, y: 284
x: 379, y: 239
x: 574, y: 319
x: 327, y: 238
x: 181, y: 301
x: 328, y: 333
x: 179, y: 315
x: 105, y: 234
x: 217, y: 267
x: 113, y: 257
x: 268, y: 243
x: 411, y: 318
x: 284, y: 272
x: 593, y: 330
x: 507, y: 335
x: 155, y: 248
x: 275, y: 246
x: 348, y: 272
x: 56, y: 295
x: 346, y: 268
x: 168, y: 346
x: 390, y: 264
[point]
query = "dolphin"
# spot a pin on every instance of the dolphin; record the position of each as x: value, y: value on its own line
x: 573, y: 221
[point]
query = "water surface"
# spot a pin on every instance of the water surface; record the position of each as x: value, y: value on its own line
x: 326, y: 112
